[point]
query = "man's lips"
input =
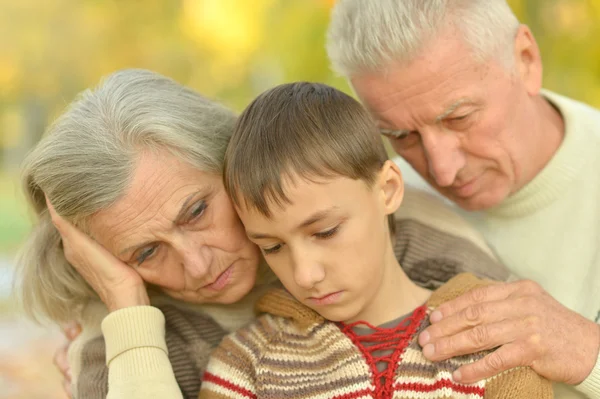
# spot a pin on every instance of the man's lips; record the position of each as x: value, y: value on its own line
x: 466, y: 189
x: 221, y: 281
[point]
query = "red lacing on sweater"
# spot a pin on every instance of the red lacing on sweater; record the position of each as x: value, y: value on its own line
x: 395, y: 339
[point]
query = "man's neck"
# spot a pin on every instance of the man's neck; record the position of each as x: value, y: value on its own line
x: 547, y: 138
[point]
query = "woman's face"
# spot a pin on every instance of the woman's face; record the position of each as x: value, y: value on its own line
x: 177, y: 227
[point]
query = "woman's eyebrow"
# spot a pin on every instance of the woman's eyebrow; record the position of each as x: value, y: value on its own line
x: 178, y: 218
x: 184, y: 207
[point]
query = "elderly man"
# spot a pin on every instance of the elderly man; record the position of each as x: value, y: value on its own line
x: 456, y: 87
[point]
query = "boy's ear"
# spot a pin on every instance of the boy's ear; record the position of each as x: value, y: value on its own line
x: 392, y: 186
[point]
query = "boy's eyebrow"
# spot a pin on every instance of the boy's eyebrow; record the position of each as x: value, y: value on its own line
x: 315, y: 217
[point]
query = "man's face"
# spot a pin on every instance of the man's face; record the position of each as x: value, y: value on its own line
x: 328, y: 246
x: 464, y: 125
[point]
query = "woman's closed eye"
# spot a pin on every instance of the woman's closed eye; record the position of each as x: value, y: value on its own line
x: 197, y: 210
x: 146, y: 253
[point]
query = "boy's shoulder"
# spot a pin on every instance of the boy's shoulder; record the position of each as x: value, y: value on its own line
x: 279, y: 314
x: 279, y: 307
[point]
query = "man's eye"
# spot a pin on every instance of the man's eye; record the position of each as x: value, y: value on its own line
x: 459, y: 122
x: 145, y: 254
x: 394, y: 134
x: 272, y: 250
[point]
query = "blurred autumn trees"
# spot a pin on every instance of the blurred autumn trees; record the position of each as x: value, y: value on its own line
x: 226, y: 49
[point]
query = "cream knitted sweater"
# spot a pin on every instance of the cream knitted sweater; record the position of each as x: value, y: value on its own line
x: 549, y: 231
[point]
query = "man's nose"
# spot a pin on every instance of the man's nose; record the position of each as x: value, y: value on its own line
x: 444, y: 155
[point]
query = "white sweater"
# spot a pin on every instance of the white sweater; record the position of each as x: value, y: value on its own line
x: 549, y: 231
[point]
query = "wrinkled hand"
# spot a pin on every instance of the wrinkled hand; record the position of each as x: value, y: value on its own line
x: 61, y: 360
x: 117, y: 284
x: 526, y: 325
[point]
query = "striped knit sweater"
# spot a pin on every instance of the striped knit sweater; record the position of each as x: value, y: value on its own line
x: 432, y: 244
x: 292, y: 352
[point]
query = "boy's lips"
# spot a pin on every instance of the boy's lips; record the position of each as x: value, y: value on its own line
x: 221, y: 281
x: 327, y: 299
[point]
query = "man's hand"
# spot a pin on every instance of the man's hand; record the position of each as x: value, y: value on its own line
x: 526, y: 325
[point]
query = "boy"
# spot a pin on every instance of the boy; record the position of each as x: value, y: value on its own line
x: 312, y: 184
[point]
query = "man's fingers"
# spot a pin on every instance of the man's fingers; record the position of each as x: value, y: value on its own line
x: 490, y: 293
x: 476, y: 339
x: 504, y: 358
x: 472, y: 316
x: 495, y: 292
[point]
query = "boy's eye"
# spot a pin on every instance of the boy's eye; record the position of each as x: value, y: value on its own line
x: 327, y: 233
x: 146, y: 253
x: 271, y: 250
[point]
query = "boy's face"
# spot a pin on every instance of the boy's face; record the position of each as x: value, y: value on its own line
x: 329, y: 247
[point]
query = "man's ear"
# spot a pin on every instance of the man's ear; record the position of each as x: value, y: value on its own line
x: 528, y: 61
x: 392, y: 186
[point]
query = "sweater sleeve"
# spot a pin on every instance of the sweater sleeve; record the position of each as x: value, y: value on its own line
x: 137, y: 356
x: 591, y: 385
x: 518, y: 383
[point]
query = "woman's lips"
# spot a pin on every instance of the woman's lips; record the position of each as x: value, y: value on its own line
x: 221, y: 281
x: 326, y: 299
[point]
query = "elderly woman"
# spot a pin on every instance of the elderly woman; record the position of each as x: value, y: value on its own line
x: 135, y: 165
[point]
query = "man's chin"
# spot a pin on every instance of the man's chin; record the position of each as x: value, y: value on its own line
x: 477, y: 202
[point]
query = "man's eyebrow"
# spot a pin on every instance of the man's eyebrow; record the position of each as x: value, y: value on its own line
x: 315, y: 217
x: 452, y: 108
x: 178, y: 218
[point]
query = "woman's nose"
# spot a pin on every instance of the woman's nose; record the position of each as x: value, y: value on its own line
x: 197, y: 261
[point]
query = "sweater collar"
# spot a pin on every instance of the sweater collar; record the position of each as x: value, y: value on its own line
x: 279, y: 302
x: 561, y: 170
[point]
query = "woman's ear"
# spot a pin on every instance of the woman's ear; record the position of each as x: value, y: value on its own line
x: 392, y: 186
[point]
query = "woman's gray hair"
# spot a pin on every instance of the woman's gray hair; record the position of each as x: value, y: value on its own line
x: 369, y: 35
x: 85, y: 163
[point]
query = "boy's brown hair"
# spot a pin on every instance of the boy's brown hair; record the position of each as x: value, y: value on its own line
x: 299, y: 129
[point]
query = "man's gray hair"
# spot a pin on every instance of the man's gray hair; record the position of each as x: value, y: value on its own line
x: 370, y: 35
x: 86, y: 161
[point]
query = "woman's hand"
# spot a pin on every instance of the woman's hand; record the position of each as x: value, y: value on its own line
x: 61, y: 359
x: 118, y: 285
